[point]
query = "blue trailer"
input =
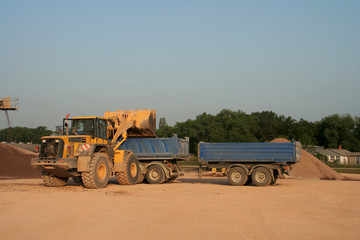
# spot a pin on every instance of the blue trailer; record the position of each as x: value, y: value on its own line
x: 246, y: 163
x: 158, y: 157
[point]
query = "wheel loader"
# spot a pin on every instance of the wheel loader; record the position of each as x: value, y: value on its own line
x: 87, y: 150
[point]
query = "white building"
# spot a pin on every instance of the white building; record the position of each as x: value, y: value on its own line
x: 341, y: 156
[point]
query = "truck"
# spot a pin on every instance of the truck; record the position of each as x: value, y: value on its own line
x: 158, y: 157
x: 259, y: 164
x: 88, y: 151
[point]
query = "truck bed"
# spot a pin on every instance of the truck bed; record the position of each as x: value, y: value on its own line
x: 250, y: 152
x: 158, y: 148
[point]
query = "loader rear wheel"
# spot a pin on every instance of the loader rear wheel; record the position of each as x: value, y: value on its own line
x: 131, y: 174
x: 261, y: 176
x: 99, y: 174
x: 50, y: 180
x: 141, y: 178
x: 155, y: 175
x: 237, y: 176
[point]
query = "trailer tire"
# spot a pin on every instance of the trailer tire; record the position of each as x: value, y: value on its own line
x: 131, y: 174
x: 261, y: 176
x: 99, y: 173
x: 155, y: 175
x: 50, y: 180
x: 237, y: 176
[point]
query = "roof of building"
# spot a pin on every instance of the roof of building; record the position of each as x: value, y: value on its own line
x: 336, y: 151
x: 355, y: 154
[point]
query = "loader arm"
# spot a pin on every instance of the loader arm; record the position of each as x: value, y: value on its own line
x: 121, y: 131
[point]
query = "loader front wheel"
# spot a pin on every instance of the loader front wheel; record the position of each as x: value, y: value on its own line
x: 99, y: 173
x: 131, y: 174
x: 50, y: 180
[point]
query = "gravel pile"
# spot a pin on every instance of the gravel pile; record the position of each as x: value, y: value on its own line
x: 15, y: 163
x: 312, y: 168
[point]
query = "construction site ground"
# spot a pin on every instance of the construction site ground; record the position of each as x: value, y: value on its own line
x: 189, y: 208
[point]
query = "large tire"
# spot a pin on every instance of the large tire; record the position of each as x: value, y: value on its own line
x: 155, y: 175
x: 50, y: 180
x: 261, y: 176
x: 140, y: 178
x: 99, y: 174
x: 131, y: 174
x: 237, y: 176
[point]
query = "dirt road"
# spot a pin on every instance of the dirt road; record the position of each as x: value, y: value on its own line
x: 189, y: 208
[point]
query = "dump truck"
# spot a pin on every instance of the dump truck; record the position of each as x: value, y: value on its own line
x: 259, y: 164
x: 158, y: 157
x: 87, y: 149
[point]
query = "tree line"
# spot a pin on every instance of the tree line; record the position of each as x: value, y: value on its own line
x: 238, y: 126
x: 24, y: 134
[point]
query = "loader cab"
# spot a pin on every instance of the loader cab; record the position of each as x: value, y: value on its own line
x: 95, y: 127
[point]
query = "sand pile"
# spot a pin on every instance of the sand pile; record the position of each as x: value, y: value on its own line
x: 15, y: 163
x: 311, y: 168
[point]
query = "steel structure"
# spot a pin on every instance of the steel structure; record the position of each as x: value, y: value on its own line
x: 9, y: 104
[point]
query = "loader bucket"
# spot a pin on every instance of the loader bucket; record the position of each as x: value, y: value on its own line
x: 136, y: 123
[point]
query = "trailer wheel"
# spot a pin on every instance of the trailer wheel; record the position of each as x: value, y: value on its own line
x: 131, y: 174
x: 155, y: 175
x: 261, y: 176
x: 99, y: 173
x: 50, y: 180
x: 237, y: 176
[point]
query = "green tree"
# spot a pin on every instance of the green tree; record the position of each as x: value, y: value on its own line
x: 336, y: 130
x: 164, y: 129
x: 24, y: 134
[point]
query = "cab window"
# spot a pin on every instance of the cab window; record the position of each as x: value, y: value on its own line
x: 102, y: 129
x: 82, y: 127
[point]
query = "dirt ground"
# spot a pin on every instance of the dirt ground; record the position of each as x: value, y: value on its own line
x: 189, y: 208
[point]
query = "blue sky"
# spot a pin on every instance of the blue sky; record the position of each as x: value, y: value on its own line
x: 181, y: 58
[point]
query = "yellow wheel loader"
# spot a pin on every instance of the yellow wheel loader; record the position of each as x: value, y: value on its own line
x: 87, y: 150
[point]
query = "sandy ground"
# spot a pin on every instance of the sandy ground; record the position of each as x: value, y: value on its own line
x: 189, y: 208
